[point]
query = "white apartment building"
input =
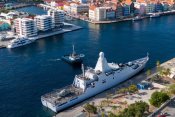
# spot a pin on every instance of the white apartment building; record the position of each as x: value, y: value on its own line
x: 97, y: 13
x: 100, y: 13
x: 79, y: 8
x: 25, y: 27
x: 92, y: 14
x: 44, y: 22
x: 57, y: 17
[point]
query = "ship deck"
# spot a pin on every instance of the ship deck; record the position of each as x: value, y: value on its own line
x: 55, y: 98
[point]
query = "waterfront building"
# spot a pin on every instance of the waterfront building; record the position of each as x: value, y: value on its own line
x: 110, y: 13
x: 92, y: 12
x: 25, y: 27
x: 77, y: 8
x: 150, y: 8
x: 166, y: 6
x: 100, y: 13
x: 132, y: 8
x: 67, y: 8
x: 44, y: 22
x: 173, y: 6
x: 57, y: 17
x: 159, y: 7
x: 57, y: 4
x: 126, y: 10
x: 119, y: 10
x: 140, y: 8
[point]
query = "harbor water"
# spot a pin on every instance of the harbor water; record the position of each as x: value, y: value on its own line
x: 28, y: 72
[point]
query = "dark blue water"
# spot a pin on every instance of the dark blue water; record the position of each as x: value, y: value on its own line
x: 28, y: 72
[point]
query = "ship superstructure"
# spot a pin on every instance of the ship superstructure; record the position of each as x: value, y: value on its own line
x: 91, y: 82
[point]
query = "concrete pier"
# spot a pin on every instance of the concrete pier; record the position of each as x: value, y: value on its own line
x: 68, y: 28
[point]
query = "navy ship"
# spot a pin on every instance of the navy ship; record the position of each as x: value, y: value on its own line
x: 92, y: 81
x: 73, y: 58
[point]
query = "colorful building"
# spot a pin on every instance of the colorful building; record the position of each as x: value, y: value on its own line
x: 126, y: 10
x: 110, y: 13
x: 132, y: 8
x: 166, y: 6
x: 159, y: 7
x: 150, y: 8
x: 92, y: 12
x: 119, y: 10
x: 77, y: 8
x: 100, y: 13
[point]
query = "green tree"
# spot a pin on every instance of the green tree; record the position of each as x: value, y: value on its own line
x: 111, y: 114
x: 157, y: 98
x: 114, y: 108
x: 171, y: 89
x: 135, y: 110
x: 167, y: 72
x: 132, y: 88
x: 123, y: 90
x: 148, y: 72
x: 90, y: 109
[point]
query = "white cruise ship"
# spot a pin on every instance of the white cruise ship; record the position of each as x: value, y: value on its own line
x: 91, y: 82
x: 19, y: 42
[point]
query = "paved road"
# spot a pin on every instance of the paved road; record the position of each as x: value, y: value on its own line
x: 169, y: 109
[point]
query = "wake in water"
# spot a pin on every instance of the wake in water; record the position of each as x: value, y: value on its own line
x: 58, y: 59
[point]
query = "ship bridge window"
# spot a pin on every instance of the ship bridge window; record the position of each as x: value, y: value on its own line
x: 93, y: 85
x: 135, y: 66
x: 109, y: 73
x: 103, y: 81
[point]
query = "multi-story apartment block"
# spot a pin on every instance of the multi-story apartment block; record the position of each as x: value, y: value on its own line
x: 119, y: 10
x: 110, y: 13
x: 77, y: 8
x: 25, y: 27
x: 150, y: 8
x: 44, y: 22
x: 97, y: 13
x: 159, y: 7
x: 57, y: 17
x: 126, y: 10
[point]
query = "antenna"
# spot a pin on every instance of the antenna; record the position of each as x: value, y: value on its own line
x: 82, y: 67
x: 147, y: 54
x: 73, y: 49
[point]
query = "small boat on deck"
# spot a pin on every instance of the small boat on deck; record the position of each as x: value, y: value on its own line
x: 73, y: 58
